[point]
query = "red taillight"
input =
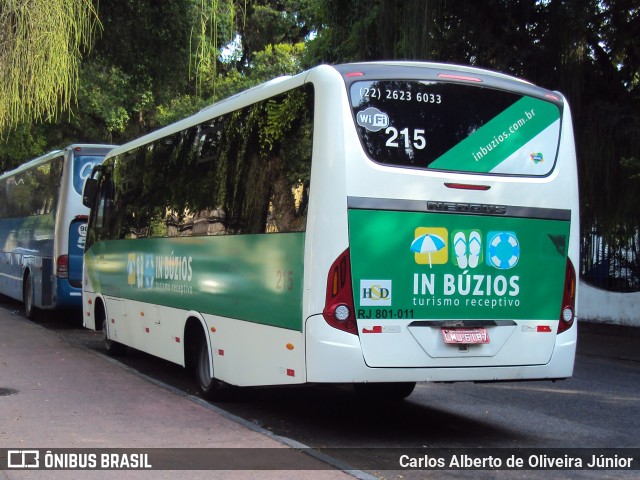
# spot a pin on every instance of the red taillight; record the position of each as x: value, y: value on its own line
x: 338, y: 308
x: 568, y: 310
x: 463, y: 78
x: 62, y: 266
x: 466, y: 186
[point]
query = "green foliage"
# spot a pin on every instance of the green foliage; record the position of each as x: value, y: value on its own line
x: 40, y: 45
x: 214, y: 29
x: 158, y: 62
x: 272, y: 62
x: 587, y: 50
x: 22, y: 143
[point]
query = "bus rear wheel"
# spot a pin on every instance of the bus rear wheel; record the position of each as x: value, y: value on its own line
x: 210, y: 387
x: 385, y: 391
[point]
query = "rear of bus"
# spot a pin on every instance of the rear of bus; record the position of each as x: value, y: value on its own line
x: 71, y: 222
x: 460, y: 228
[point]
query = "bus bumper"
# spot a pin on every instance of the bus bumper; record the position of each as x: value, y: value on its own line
x: 67, y: 296
x: 334, y: 356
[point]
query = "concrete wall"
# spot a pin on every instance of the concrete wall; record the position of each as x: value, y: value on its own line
x: 608, y: 307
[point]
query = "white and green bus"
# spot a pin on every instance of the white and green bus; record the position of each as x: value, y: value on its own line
x: 376, y: 224
x: 43, y: 225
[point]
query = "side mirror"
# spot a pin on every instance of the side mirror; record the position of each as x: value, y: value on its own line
x: 89, y: 192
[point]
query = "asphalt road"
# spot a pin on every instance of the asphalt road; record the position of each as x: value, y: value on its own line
x: 599, y: 407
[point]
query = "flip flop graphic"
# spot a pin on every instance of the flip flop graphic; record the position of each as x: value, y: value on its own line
x: 460, y: 249
x: 475, y: 247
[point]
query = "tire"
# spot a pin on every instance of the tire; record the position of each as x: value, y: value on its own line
x: 27, y: 298
x: 384, y: 391
x: 112, y: 347
x: 210, y: 387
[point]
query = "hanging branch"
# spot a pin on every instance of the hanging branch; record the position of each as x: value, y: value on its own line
x: 40, y: 48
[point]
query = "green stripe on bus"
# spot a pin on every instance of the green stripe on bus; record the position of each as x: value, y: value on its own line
x: 499, y: 138
x: 257, y: 278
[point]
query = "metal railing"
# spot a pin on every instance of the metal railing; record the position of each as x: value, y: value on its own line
x: 611, y: 264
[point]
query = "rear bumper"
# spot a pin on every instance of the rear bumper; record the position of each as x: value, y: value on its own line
x: 336, y: 357
x: 67, y: 296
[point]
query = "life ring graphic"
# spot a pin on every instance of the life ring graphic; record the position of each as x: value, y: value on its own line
x: 503, y: 250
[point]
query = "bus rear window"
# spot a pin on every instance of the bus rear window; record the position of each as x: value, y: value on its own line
x: 453, y: 127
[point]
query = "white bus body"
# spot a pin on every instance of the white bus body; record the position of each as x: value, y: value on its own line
x: 440, y: 230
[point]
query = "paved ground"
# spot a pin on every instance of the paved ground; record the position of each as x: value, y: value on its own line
x: 54, y: 395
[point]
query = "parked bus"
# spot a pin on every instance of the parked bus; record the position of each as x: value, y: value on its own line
x: 376, y: 224
x: 43, y: 228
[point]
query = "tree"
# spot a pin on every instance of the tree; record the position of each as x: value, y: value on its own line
x: 587, y: 50
x: 40, y: 46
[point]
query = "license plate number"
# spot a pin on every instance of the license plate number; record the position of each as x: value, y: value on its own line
x: 465, y: 335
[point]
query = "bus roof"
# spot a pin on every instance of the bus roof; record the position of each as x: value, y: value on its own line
x: 87, y: 148
x: 435, y: 66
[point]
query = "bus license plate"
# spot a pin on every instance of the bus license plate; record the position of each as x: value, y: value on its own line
x: 465, y: 335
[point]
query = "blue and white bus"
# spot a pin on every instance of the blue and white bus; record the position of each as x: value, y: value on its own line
x: 43, y: 228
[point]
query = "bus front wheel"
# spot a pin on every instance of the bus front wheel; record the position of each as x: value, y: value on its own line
x: 112, y: 347
x: 210, y: 387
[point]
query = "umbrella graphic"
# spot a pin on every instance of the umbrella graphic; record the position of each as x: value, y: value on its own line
x: 427, y: 243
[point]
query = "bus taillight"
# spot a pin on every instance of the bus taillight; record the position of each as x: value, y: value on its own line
x: 568, y: 310
x: 338, y: 308
x: 62, y: 266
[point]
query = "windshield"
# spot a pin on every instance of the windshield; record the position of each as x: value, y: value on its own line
x: 82, y: 166
x: 453, y: 127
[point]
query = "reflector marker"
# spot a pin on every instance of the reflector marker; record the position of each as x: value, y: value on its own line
x: 375, y: 329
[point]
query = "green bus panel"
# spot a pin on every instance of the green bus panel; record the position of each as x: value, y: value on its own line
x: 257, y: 278
x: 456, y: 266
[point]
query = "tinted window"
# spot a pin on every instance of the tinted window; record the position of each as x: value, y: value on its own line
x: 82, y: 166
x: 244, y: 172
x: 32, y: 192
x: 446, y: 126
